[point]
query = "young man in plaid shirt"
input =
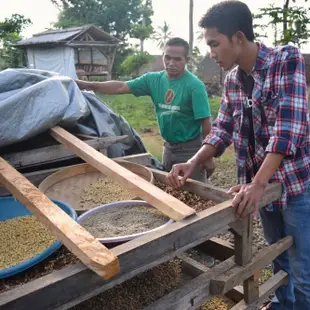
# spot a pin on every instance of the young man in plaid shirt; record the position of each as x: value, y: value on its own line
x: 264, y: 112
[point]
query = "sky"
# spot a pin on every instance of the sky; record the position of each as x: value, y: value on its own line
x: 175, y: 12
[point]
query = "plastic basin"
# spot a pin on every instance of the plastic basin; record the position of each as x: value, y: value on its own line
x: 114, y: 241
x: 11, y: 208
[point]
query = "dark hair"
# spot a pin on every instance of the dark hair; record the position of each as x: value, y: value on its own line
x: 228, y: 17
x: 178, y: 42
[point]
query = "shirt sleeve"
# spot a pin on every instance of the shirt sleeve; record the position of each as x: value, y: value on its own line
x: 290, y: 129
x: 200, y: 102
x: 222, y: 129
x: 140, y: 86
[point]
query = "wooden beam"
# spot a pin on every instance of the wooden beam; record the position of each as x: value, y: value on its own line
x: 243, y: 254
x: 251, y: 288
x: 53, y: 153
x: 272, y: 192
x: 37, y: 177
x: 195, y: 269
x: 204, y: 190
x: 144, y: 159
x: 90, y: 44
x: 194, y: 293
x: 243, y: 241
x: 218, y: 248
x: 74, y: 284
x: 191, y: 266
x: 80, y: 242
x: 164, y: 202
x: 279, y: 279
x: 228, y: 280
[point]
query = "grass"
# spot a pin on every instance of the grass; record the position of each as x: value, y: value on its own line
x: 139, y: 112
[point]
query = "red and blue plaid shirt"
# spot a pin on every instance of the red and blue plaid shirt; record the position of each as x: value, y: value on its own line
x: 280, y: 93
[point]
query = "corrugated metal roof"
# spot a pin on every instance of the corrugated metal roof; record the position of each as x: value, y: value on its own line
x: 50, y: 37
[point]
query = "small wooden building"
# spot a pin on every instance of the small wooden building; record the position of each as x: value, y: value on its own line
x: 80, y: 51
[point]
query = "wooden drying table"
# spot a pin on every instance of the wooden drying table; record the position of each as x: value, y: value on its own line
x: 74, y: 284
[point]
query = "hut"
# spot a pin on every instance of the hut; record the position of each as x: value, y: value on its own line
x: 80, y: 51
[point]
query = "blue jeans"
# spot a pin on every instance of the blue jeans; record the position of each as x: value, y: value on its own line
x: 293, y: 221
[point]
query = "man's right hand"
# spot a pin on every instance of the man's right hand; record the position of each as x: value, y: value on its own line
x: 184, y: 170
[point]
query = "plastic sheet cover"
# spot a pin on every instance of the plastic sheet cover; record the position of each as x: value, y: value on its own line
x: 32, y: 101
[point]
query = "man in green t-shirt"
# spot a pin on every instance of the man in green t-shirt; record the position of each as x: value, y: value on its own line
x: 181, y: 105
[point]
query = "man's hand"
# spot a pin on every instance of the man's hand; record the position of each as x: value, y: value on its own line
x: 83, y: 85
x: 185, y: 170
x: 210, y: 166
x: 246, y: 195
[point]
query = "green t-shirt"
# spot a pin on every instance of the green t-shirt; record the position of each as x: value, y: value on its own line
x: 179, y: 103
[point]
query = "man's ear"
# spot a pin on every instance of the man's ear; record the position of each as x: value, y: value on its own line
x: 240, y: 37
x: 188, y: 59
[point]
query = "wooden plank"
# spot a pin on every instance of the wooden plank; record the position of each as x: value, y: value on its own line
x: 204, y: 190
x: 74, y: 284
x: 251, y: 288
x: 78, y: 240
x: 141, y: 159
x: 194, y: 293
x: 164, y: 202
x: 243, y: 242
x: 237, y: 274
x: 191, y: 266
x: 38, y: 176
x: 243, y: 254
x: 55, y: 153
x: 207, y: 191
x: 279, y: 279
x: 195, y: 269
x: 217, y: 248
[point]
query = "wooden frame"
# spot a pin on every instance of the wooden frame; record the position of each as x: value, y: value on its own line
x: 74, y: 284
x: 56, y: 153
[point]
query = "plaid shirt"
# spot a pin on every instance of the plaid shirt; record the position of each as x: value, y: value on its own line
x: 280, y: 119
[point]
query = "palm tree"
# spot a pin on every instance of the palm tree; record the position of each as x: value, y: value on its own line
x: 191, y: 30
x: 162, y: 35
x: 200, y: 35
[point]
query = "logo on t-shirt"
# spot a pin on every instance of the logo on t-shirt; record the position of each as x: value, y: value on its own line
x: 169, y: 96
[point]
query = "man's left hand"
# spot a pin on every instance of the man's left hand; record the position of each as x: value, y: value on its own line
x: 246, y: 196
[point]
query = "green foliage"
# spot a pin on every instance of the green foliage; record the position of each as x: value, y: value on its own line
x: 10, y: 30
x: 122, y: 53
x: 114, y: 17
x: 289, y: 24
x: 162, y: 35
x: 143, y: 29
x: 15, y: 24
x: 141, y: 32
x: 134, y: 62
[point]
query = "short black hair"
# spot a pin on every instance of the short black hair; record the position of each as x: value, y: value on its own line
x: 228, y: 17
x: 178, y: 42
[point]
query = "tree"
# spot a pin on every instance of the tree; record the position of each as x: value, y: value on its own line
x: 120, y: 18
x: 114, y: 17
x: 191, y: 31
x: 10, y: 30
x: 162, y: 35
x: 133, y: 63
x: 289, y: 23
x: 143, y: 30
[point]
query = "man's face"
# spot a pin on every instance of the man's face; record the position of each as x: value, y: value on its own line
x: 175, y: 60
x: 223, y: 50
